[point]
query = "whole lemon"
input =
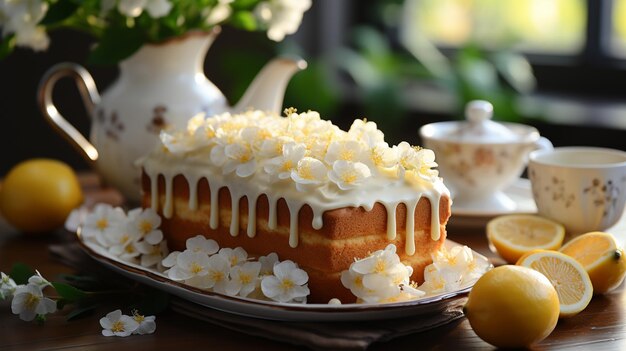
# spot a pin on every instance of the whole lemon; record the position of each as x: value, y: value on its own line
x: 37, y: 195
x: 512, y: 306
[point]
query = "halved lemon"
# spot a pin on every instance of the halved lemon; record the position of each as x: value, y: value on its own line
x: 601, y: 257
x: 569, y: 278
x: 514, y: 235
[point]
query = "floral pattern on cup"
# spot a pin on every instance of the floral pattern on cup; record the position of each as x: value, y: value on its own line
x: 604, y: 195
x: 555, y: 189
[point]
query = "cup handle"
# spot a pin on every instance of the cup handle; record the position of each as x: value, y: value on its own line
x: 89, y: 94
x: 543, y: 144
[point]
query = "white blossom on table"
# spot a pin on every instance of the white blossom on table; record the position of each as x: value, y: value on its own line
x: 103, y: 222
x: 117, y: 324
x: 147, y: 324
x: 7, y: 286
x: 29, y: 301
x: 451, y: 270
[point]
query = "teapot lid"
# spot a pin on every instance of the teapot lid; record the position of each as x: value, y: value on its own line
x: 479, y: 127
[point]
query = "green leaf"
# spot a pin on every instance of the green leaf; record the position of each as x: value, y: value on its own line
x: 21, y: 272
x: 116, y: 45
x: 68, y: 292
x: 6, y: 46
x: 244, y: 20
x: 81, y: 312
x: 59, y: 11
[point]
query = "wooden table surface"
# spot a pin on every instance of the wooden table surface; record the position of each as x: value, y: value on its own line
x: 602, y: 326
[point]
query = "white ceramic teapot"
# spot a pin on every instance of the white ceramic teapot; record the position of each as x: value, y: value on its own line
x: 161, y: 85
x: 478, y: 158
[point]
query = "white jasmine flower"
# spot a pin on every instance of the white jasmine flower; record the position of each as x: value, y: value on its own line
x: 282, y: 17
x: 76, y: 218
x: 7, y: 286
x: 189, y: 265
x: 243, y: 279
x: 309, y: 172
x: 418, y: 160
x: 282, y: 166
x: 239, y: 158
x: 201, y: 244
x: 217, y: 273
x: 39, y: 280
x: 378, y: 262
x: 348, y: 175
x: 123, y: 243
x: 287, y: 284
x: 267, y: 263
x: 29, y: 302
x: 273, y: 147
x: 151, y: 255
x: 255, y: 136
x: 103, y: 222
x: 233, y: 256
x: 177, y: 142
x: 145, y: 222
x: 366, y: 131
x: 218, y: 155
x: 384, y: 156
x: 354, y: 282
x: 21, y: 17
x: 170, y: 260
x: 450, y: 270
x: 134, y: 8
x: 147, y: 324
x: 219, y: 13
x: 117, y: 324
x: 346, y: 150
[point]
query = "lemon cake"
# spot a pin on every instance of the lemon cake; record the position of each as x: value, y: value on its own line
x: 298, y: 186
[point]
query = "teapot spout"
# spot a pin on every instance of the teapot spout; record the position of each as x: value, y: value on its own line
x: 267, y: 90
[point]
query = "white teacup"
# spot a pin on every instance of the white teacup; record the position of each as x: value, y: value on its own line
x: 583, y: 188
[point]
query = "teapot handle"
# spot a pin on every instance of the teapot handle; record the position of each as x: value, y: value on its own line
x: 543, y: 144
x: 89, y: 94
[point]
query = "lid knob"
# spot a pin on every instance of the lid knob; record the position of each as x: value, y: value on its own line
x: 477, y: 111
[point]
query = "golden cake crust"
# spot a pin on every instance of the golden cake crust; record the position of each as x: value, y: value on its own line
x: 347, y: 233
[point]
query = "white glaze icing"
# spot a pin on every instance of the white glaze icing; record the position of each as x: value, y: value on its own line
x: 380, y: 187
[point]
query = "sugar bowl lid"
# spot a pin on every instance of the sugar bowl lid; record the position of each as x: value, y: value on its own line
x: 478, y: 126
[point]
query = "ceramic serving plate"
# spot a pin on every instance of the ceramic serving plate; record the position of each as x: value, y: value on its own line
x: 282, y: 311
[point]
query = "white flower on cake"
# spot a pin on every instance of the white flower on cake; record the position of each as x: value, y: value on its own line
x: 380, y: 278
x: 383, y: 156
x: 29, y: 301
x: 244, y: 279
x: 117, y: 324
x: 417, y: 162
x: 233, y: 256
x: 282, y: 166
x: 287, y: 284
x: 346, y: 150
x: 177, y: 142
x: 239, y: 158
x: 103, y: 222
x: 255, y: 136
x: 348, y: 175
x: 274, y: 147
x: 147, y: 324
x: 309, y: 172
x: 366, y: 131
x: 7, y: 286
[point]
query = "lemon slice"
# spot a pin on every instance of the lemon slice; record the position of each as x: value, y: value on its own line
x: 569, y: 278
x: 601, y: 257
x: 514, y: 235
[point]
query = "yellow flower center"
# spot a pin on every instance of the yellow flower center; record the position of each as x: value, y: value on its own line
x: 117, y: 327
x: 102, y: 223
x: 305, y: 172
x: 32, y: 301
x: 287, y: 166
x: 349, y: 177
x: 195, y: 268
x: 287, y: 284
x: 346, y: 155
x: 124, y: 238
x: 145, y: 227
x: 130, y: 249
x: 380, y: 266
x: 358, y: 282
x: 245, y: 278
x: 217, y: 276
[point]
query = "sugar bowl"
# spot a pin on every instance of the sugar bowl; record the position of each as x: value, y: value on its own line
x: 479, y: 158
